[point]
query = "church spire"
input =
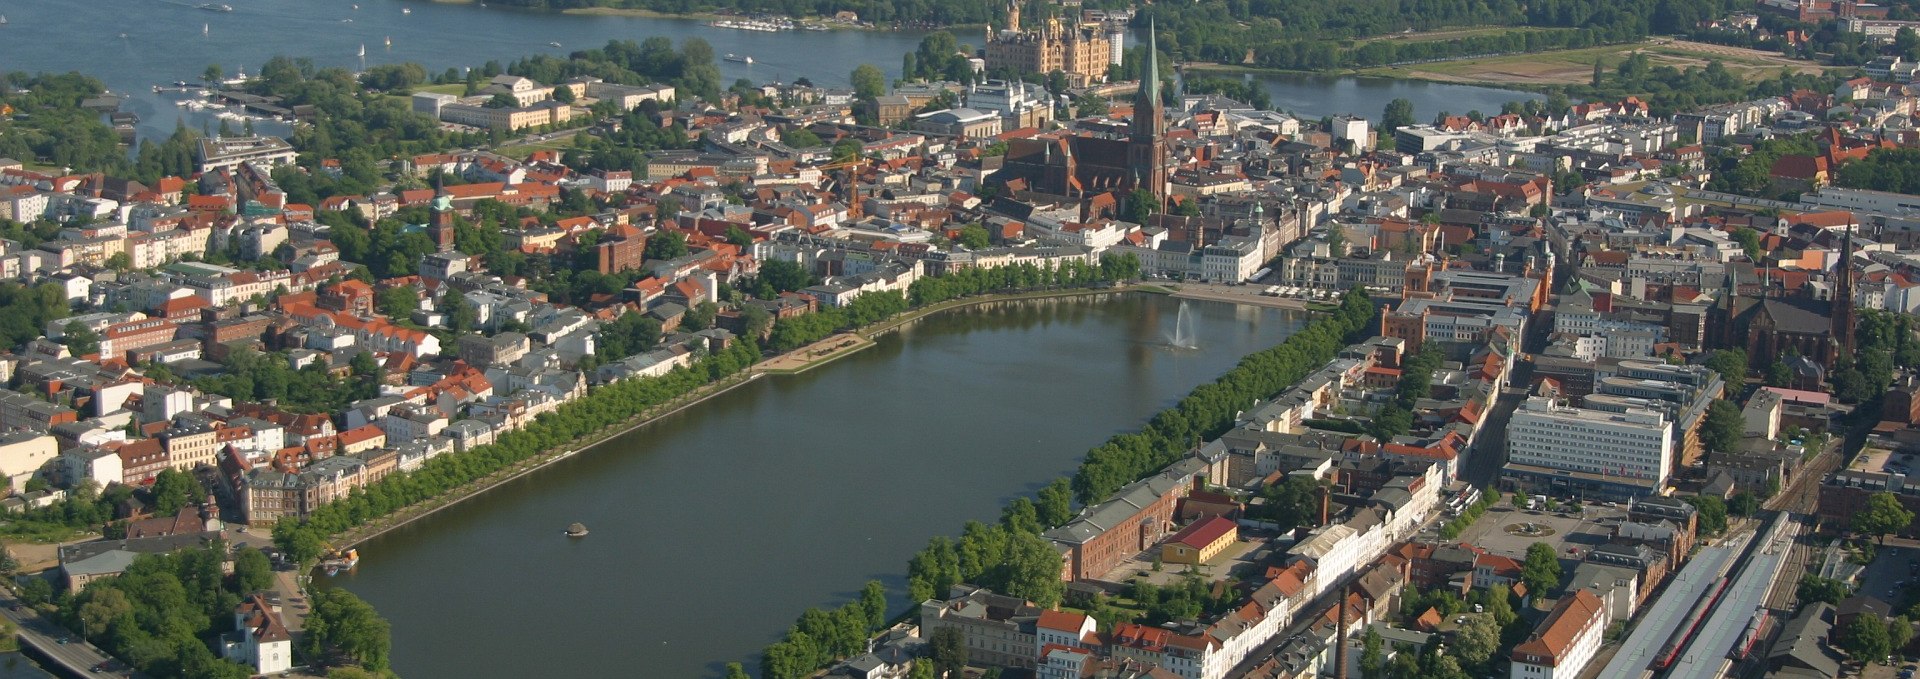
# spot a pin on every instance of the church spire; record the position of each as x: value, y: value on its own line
x: 1842, y: 316
x: 1150, y: 76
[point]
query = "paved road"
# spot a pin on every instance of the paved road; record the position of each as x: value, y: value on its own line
x: 78, y: 655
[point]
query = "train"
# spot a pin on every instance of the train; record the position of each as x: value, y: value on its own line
x: 1691, y: 625
x: 1751, y: 636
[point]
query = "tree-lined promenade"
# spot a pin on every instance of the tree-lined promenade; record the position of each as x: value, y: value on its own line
x: 1012, y: 557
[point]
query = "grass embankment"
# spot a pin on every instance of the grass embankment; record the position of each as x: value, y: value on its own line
x: 1575, y: 67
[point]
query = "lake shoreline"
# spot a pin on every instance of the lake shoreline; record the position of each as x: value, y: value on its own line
x: 815, y: 354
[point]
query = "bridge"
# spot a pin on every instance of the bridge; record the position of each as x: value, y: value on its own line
x: 76, y: 657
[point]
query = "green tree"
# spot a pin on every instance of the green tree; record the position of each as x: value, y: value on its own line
x: 120, y: 261
x: 846, y: 150
x: 301, y: 544
x: 1141, y: 206
x: 950, y: 651
x: 1899, y: 632
x: 563, y: 94
x: 1373, y: 657
x: 1055, y: 504
x: 252, y: 572
x: 975, y: 237
x: 1713, y: 513
x: 1813, y: 588
x: 1882, y: 516
x: 1731, y: 364
x: 1749, y: 241
x: 80, y: 339
x: 701, y: 316
x: 1724, y: 424
x: 1398, y: 114
x: 777, y: 276
x: 1541, y: 569
x: 1476, y: 640
x: 1865, y: 640
x: 342, y: 622
x: 1744, y: 503
x: 502, y: 100
x: 1779, y: 375
x: 213, y: 74
x: 397, y: 302
x: 922, y: 668
x: 666, y: 245
x: 873, y: 601
x: 173, y: 489
x: 800, y: 138
x: 460, y: 314
x: 735, y: 671
x: 739, y: 237
x: 868, y: 82
x: 1033, y: 570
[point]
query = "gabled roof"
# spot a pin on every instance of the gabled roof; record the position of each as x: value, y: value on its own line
x: 1556, y: 634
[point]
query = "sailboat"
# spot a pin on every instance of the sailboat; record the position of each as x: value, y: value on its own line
x: 389, y: 41
x: 363, y: 50
x: 3, y: 19
x: 203, y: 29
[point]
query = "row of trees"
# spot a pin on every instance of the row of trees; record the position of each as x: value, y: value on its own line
x: 1021, y: 277
x: 1211, y: 408
x: 604, y: 407
x: 821, y: 636
x: 1452, y: 528
x: 158, y: 614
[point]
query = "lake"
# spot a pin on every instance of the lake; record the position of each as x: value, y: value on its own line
x: 714, y: 528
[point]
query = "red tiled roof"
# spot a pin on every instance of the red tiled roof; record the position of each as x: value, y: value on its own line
x: 1204, y: 532
x: 1555, y: 635
x: 1061, y: 621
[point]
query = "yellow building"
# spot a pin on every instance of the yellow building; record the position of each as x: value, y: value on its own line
x: 1200, y: 542
x: 1082, y: 51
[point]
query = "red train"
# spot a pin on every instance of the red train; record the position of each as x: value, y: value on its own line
x: 1751, y: 636
x: 1683, y: 634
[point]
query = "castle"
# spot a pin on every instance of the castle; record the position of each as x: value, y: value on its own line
x: 1083, y: 50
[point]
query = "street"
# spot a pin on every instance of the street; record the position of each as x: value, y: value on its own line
x: 42, y: 634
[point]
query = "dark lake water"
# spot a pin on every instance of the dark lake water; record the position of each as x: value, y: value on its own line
x: 714, y: 528
x: 164, y: 42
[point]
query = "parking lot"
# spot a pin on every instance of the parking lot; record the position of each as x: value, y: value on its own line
x: 1894, y: 569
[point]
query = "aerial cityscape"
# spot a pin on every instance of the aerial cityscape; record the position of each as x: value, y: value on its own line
x: 991, y: 339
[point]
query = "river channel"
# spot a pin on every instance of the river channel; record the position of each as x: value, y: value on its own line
x: 132, y: 45
x: 712, y: 529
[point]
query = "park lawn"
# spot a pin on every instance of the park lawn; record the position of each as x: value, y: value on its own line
x: 22, y: 530
x: 1569, y: 67
x: 519, y: 151
x: 1457, y: 33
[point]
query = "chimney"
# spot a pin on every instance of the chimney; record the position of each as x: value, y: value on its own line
x: 1340, y: 634
x: 1325, y: 496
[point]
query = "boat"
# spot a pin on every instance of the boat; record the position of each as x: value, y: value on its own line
x: 336, y: 561
x: 179, y: 83
x: 3, y: 19
x: 211, y: 7
x: 363, y: 50
x: 389, y: 41
x: 738, y: 59
x: 123, y: 36
x: 577, y: 530
x: 406, y: 10
x: 553, y: 44
x: 203, y: 28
